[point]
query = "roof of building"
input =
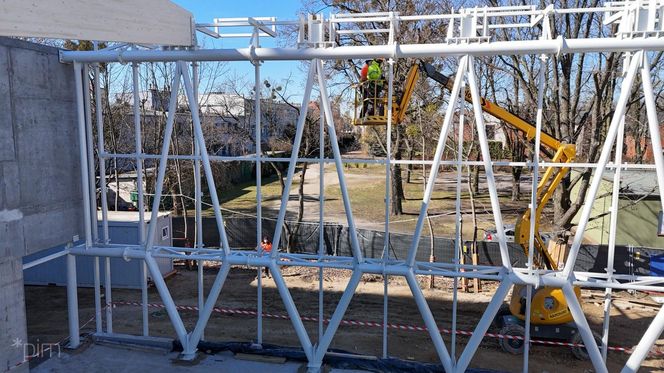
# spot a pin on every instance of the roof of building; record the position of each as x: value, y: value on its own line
x: 129, y: 216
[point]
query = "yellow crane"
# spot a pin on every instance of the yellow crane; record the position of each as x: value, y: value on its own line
x: 549, y: 310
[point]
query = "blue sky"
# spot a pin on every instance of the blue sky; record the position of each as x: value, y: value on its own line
x: 205, y: 11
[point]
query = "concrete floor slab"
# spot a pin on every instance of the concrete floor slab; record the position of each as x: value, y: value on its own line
x: 104, y: 358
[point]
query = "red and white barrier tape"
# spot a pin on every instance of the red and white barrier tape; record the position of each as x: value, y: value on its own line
x: 373, y: 324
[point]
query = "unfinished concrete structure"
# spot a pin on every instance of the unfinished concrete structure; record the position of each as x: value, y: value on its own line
x: 40, y: 200
x: 639, y: 31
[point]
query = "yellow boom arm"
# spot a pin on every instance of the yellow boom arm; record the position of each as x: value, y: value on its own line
x: 552, y: 177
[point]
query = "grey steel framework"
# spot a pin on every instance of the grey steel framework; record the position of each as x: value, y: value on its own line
x: 640, y: 30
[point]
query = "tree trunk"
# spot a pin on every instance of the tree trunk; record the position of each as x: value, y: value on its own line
x: 475, y: 177
x: 516, y: 183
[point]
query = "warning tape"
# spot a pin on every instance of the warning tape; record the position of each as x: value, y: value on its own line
x: 373, y: 324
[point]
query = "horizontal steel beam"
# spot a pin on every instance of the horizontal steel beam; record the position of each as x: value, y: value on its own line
x: 377, y: 266
x: 557, y: 46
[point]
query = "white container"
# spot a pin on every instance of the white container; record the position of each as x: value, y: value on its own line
x: 122, y: 229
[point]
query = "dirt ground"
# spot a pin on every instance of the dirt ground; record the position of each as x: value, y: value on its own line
x: 47, y: 317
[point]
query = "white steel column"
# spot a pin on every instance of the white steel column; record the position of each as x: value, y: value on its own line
x: 85, y: 191
x: 584, y: 329
x: 163, y: 159
x: 618, y: 114
x: 198, y: 219
x: 157, y: 278
x: 108, y: 295
x: 138, y: 146
x: 483, y: 325
x: 533, y: 200
x: 321, y: 214
x: 72, y: 296
x: 440, y: 148
x: 653, y: 125
x: 92, y: 190
x: 640, y: 353
x: 430, y: 322
x: 293, y: 160
x: 656, y: 327
x: 458, y: 233
x: 332, y: 135
x: 293, y: 313
x: 169, y: 304
x: 259, y: 195
x: 388, y: 202
x: 196, y: 335
x: 72, y: 302
x: 103, y: 193
x: 335, y: 320
x: 488, y: 168
x: 613, y: 223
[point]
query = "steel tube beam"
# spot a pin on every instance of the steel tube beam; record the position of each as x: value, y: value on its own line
x: 483, y: 325
x: 108, y: 295
x: 161, y: 173
x: 488, y: 169
x: 72, y: 302
x: 321, y: 217
x: 259, y: 196
x: 251, y: 158
x: 653, y: 125
x: 335, y: 320
x: 103, y: 193
x: 388, y: 202
x: 334, y: 143
x: 169, y: 304
x: 92, y: 190
x: 292, y: 311
x: 613, y: 224
x: 196, y: 335
x: 430, y: 322
x: 458, y: 233
x: 557, y: 46
x: 584, y: 329
x: 618, y: 114
x: 294, y: 153
x: 440, y: 148
x: 100, y: 150
x: 200, y: 139
x: 533, y: 200
x: 640, y: 353
x: 138, y: 145
x: 97, y: 287
x: 82, y: 141
x: 198, y: 205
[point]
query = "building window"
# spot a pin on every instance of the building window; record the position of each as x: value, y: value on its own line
x: 164, y: 233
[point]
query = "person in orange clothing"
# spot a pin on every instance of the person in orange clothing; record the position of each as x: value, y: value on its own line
x: 266, y: 245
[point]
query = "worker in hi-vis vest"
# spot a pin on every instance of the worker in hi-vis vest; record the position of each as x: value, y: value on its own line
x: 266, y: 245
x: 375, y: 77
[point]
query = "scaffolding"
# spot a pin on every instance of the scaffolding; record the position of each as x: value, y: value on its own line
x: 640, y: 26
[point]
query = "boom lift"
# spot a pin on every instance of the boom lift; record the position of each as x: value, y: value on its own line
x: 549, y: 311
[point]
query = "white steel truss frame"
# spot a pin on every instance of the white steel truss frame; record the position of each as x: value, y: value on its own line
x: 641, y: 30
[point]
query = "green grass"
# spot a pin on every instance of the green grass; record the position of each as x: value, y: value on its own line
x: 367, y: 201
x: 242, y: 197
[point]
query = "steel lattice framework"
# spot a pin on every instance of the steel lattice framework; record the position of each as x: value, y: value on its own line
x: 640, y: 30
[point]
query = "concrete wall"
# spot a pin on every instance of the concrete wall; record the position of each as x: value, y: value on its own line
x: 40, y: 201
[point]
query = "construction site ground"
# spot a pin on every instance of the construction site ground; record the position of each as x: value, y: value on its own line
x: 630, y: 316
